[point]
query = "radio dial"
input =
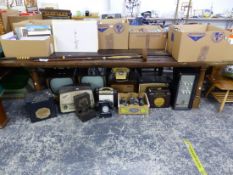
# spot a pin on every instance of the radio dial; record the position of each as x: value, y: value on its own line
x: 105, y: 109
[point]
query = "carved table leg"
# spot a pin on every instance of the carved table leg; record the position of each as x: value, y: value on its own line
x: 197, y: 99
x: 3, y: 117
x: 35, y: 80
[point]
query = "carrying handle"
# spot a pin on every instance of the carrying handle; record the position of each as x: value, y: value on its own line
x: 106, y: 89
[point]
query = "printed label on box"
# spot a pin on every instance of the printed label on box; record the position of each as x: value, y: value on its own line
x: 172, y: 37
x: 102, y: 29
x: 230, y: 39
x: 134, y: 110
x: 196, y: 36
x: 119, y: 28
x: 218, y: 37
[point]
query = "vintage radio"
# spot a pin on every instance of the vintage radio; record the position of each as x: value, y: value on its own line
x: 41, y: 105
x: 159, y: 97
x: 157, y: 75
x: 107, y: 93
x: 183, y: 87
x: 144, y: 86
x: 66, y: 97
x: 94, y: 81
x: 57, y: 78
x: 93, y: 76
x: 83, y: 108
x: 105, y: 108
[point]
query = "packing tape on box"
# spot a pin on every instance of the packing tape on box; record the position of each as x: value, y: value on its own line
x: 109, y: 40
x: 147, y: 41
x: 195, y: 158
x: 203, y: 53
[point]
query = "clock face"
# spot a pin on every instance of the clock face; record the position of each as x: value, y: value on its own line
x: 105, y: 109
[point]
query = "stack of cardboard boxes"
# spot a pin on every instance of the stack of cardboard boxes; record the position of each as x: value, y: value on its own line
x: 118, y: 34
x: 186, y: 43
x: 27, y: 48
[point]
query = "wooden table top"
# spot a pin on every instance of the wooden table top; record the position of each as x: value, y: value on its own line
x: 105, y: 58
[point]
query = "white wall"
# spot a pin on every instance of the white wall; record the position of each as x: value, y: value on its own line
x: 165, y: 8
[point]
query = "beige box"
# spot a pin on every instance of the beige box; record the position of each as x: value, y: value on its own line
x: 205, y: 43
x: 147, y: 37
x: 14, y: 19
x: 113, y: 34
x: 26, y: 48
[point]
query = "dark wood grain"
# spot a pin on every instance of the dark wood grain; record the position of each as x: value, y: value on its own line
x: 3, y: 117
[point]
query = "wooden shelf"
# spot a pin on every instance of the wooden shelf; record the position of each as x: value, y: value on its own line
x: 84, y: 17
x: 219, y: 96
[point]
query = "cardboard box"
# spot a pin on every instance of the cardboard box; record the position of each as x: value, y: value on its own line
x: 14, y: 19
x: 147, y: 37
x: 113, y: 34
x: 32, y: 22
x: 204, y: 43
x: 26, y: 48
x: 4, y: 18
x: 75, y: 36
x: 133, y: 109
x: 124, y: 88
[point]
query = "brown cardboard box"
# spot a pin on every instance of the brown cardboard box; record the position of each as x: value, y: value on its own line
x: 33, y: 22
x: 147, y: 37
x: 15, y: 19
x: 170, y: 39
x: 113, y: 34
x: 4, y: 18
x: 26, y: 48
x: 191, y: 43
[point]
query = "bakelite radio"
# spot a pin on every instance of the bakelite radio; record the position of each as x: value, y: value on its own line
x: 67, y: 94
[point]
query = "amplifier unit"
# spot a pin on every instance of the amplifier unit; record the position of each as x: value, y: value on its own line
x: 158, y: 97
x: 183, y: 87
x: 41, y: 105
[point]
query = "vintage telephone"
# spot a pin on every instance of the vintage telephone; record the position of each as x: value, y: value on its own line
x: 121, y: 74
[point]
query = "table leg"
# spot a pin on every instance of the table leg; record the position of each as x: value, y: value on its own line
x: 197, y: 99
x: 3, y: 117
x: 144, y: 55
x: 35, y: 80
x: 209, y: 90
x: 224, y: 101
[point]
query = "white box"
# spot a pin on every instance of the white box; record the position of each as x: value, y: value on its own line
x: 75, y: 36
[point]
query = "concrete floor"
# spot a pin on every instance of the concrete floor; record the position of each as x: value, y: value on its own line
x: 121, y: 145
